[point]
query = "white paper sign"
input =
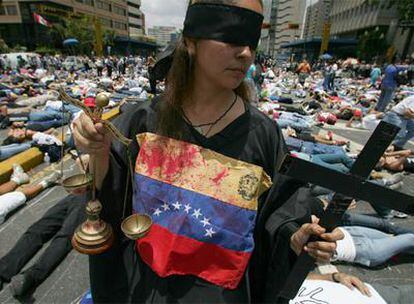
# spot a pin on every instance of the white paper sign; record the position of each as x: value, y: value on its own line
x: 324, y: 292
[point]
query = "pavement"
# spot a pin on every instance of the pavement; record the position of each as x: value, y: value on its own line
x: 71, y: 278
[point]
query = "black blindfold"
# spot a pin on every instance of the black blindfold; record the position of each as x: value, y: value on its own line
x: 230, y: 24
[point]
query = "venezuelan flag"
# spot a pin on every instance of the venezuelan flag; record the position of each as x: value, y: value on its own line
x: 203, y: 206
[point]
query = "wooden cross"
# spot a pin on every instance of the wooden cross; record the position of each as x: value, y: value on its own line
x: 347, y: 186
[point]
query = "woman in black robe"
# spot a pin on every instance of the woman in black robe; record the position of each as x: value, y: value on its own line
x: 206, y: 104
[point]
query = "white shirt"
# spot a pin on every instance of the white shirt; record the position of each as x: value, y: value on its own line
x: 45, y: 139
x: 345, y: 248
x: 404, y: 105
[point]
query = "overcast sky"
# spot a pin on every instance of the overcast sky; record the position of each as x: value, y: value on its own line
x: 164, y: 12
x: 169, y: 12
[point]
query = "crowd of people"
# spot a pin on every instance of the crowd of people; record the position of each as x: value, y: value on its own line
x: 302, y: 99
x: 292, y: 110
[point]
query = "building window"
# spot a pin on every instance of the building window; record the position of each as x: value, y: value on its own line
x: 134, y: 15
x: 137, y: 26
x: 133, y: 5
x: 119, y: 25
x: 119, y: 10
x: 103, y: 5
x: 105, y: 22
x: 87, y: 2
x: 10, y: 10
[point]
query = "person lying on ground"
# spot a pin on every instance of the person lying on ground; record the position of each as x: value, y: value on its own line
x: 58, y: 225
x: 397, y: 161
x: 19, y: 135
x: 12, y: 198
x: 315, y: 138
x: 368, y: 246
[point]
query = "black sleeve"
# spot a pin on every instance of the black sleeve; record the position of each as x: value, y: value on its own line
x: 116, y: 192
x: 287, y: 206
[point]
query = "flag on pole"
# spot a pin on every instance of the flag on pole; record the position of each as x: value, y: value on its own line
x: 203, y: 206
x: 39, y: 19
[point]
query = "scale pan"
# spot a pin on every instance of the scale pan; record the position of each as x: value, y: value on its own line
x: 136, y: 226
x: 77, y: 184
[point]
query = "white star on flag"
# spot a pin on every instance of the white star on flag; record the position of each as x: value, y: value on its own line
x: 210, y: 232
x: 197, y: 213
x: 205, y: 222
x: 187, y: 208
x: 166, y: 207
x: 177, y: 206
x: 157, y: 212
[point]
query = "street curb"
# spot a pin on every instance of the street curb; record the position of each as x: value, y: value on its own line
x: 33, y: 157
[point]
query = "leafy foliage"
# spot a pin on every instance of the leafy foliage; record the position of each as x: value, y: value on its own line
x: 83, y: 29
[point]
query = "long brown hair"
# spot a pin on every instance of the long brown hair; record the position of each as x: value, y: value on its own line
x: 179, y: 85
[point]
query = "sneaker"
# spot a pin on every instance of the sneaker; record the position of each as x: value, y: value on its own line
x: 19, y: 176
x: 393, y: 179
x: 396, y: 186
x: 398, y: 214
x: 20, y: 285
x: 50, y: 180
x: 17, y: 168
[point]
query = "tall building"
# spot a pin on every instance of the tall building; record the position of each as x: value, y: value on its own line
x: 286, y: 23
x: 353, y: 18
x: 265, y: 37
x: 317, y: 15
x: 136, y: 19
x: 162, y: 34
x: 17, y: 24
x: 350, y: 17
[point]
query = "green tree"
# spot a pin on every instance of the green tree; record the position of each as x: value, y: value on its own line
x: 372, y: 44
x: 80, y: 28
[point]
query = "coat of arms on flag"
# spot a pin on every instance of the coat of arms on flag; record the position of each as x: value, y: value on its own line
x: 203, y: 205
x: 40, y: 20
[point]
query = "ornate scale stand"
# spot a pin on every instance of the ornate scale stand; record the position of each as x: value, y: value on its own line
x: 94, y: 236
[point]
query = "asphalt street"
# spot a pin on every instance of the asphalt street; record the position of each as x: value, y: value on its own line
x: 70, y: 280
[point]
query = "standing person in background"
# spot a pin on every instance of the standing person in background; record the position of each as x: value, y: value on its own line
x: 389, y: 85
x: 250, y: 76
x: 153, y: 81
x: 303, y: 70
x: 410, y: 72
x: 334, y: 70
x: 99, y: 66
x: 109, y: 66
x: 402, y: 115
x: 327, y: 72
x: 375, y: 74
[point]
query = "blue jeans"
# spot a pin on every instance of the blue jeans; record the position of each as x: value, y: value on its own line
x: 328, y: 82
x: 68, y: 108
x: 13, y: 149
x: 295, y: 124
x: 41, y: 126
x: 374, y: 247
x: 339, y: 162
x: 406, y: 125
x: 50, y: 114
x: 357, y: 219
x: 387, y: 94
x: 312, y: 148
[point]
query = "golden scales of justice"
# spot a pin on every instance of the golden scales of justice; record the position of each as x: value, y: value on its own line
x: 94, y: 236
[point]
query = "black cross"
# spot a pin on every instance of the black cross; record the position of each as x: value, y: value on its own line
x: 351, y: 185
